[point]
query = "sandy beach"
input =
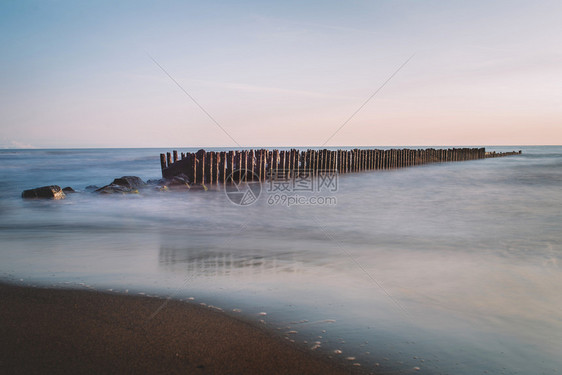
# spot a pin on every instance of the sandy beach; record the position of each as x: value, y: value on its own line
x: 74, y: 331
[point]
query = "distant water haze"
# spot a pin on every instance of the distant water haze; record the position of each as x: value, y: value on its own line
x: 449, y: 268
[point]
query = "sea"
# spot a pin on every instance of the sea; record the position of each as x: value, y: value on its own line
x: 445, y: 268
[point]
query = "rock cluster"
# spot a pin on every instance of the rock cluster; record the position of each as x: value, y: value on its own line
x: 122, y: 185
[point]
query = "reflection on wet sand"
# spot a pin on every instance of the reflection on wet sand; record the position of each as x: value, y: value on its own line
x: 211, y: 263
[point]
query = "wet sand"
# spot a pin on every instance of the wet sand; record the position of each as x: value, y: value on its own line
x: 74, y: 331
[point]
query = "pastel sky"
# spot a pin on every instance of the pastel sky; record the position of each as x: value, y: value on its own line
x: 287, y: 73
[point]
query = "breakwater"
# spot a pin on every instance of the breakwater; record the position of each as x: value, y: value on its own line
x: 209, y: 167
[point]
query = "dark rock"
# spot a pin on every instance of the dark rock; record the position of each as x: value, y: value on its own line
x: 131, y: 182
x: 68, y: 189
x: 159, y: 181
x: 112, y: 189
x: 45, y: 192
x: 91, y: 187
x: 180, y: 182
x: 180, y: 179
x: 124, y: 185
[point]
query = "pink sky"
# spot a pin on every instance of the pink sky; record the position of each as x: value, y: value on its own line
x: 78, y: 75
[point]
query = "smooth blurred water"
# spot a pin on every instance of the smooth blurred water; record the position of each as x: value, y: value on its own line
x: 452, y: 267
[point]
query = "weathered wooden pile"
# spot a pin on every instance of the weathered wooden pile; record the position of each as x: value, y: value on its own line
x: 210, y: 167
x: 494, y: 154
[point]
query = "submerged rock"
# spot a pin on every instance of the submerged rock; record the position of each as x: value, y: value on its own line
x: 157, y: 182
x: 131, y: 182
x: 68, y: 189
x: 179, y: 182
x: 44, y: 192
x: 91, y: 187
x: 124, y: 185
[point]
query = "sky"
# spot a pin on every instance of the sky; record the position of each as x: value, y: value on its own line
x: 291, y: 73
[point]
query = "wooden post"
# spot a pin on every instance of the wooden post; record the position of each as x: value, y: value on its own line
x: 288, y: 163
x: 202, y: 163
x: 229, y: 161
x: 314, y: 162
x: 362, y: 160
x: 260, y: 159
x: 269, y: 169
x: 265, y: 163
x: 245, y: 164
x: 215, y: 166
x: 295, y: 160
x: 252, y: 165
x: 385, y: 159
x: 210, y: 168
x: 276, y: 161
x: 163, y: 163
x: 194, y: 166
x: 175, y: 155
x: 221, y: 162
x: 285, y: 162
x: 239, y: 164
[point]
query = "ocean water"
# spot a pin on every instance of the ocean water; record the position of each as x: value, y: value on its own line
x: 450, y: 268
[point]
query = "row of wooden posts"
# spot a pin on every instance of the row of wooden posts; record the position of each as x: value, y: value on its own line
x: 210, y: 167
x: 494, y: 154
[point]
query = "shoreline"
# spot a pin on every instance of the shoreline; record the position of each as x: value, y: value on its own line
x: 79, y: 331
